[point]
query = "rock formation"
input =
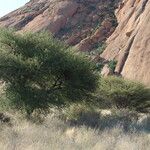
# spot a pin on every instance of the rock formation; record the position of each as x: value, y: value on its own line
x: 130, y: 43
x: 80, y: 23
x: 86, y: 23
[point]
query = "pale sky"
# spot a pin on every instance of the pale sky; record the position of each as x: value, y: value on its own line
x: 7, y: 6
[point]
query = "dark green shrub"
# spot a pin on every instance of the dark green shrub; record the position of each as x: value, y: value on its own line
x: 112, y: 64
x: 125, y: 94
x: 39, y: 71
x: 99, y: 66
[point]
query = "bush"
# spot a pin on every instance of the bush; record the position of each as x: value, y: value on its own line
x: 125, y: 94
x: 112, y: 64
x: 39, y: 71
x: 77, y: 110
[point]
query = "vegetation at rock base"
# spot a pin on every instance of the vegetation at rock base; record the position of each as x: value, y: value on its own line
x: 39, y: 72
x: 125, y: 94
x: 112, y: 65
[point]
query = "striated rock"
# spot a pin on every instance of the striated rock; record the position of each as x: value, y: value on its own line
x: 85, y: 44
x: 73, y: 21
x: 54, y: 19
x: 98, y: 36
x: 130, y: 43
x: 73, y: 40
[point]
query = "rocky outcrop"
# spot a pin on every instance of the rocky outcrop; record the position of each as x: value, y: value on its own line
x: 87, y: 23
x: 100, y: 35
x: 41, y: 15
x: 130, y: 43
x: 80, y: 23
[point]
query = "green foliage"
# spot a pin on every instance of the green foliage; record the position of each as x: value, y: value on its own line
x: 98, y: 48
x: 40, y: 71
x: 99, y: 66
x: 125, y: 94
x: 112, y: 65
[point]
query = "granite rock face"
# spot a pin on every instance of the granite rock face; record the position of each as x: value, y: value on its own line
x: 130, y: 42
x: 80, y: 23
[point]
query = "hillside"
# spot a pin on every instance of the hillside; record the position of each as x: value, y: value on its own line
x: 87, y: 24
x: 80, y: 23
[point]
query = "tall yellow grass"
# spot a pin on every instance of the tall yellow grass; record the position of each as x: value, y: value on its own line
x: 54, y: 134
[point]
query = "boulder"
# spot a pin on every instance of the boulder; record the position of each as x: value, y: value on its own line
x: 106, y: 71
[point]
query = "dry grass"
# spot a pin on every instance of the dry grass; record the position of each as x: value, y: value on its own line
x: 54, y: 134
x: 91, y: 130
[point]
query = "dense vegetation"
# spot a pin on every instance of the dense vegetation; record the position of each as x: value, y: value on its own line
x: 38, y: 72
x: 125, y: 94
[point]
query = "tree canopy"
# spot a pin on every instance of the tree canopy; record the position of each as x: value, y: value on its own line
x: 39, y: 70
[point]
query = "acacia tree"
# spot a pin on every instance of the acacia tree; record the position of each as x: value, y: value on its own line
x: 39, y: 71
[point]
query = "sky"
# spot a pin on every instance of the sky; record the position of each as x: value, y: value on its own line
x: 7, y: 6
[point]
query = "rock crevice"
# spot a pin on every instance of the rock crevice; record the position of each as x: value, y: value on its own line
x: 124, y: 56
